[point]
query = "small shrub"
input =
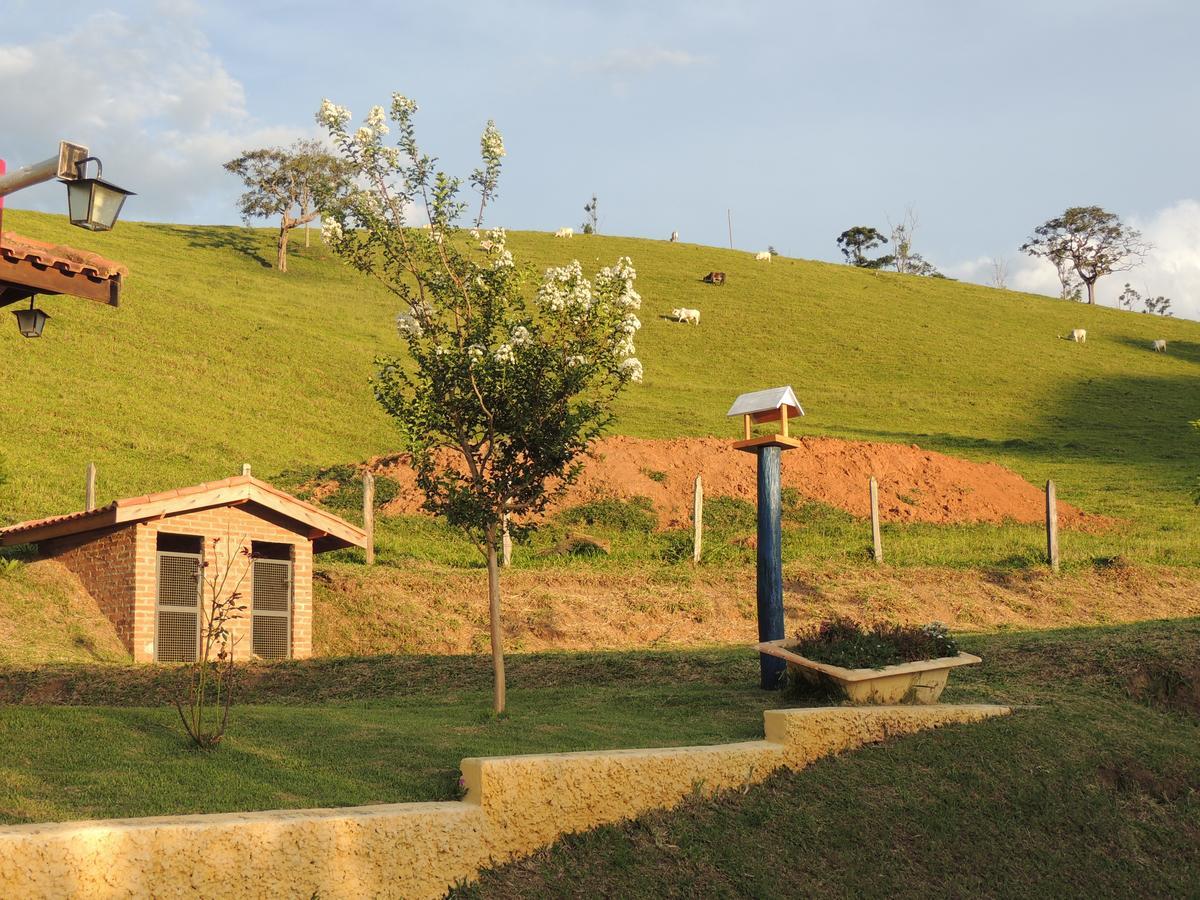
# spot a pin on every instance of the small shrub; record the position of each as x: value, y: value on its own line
x: 655, y: 475
x: 676, y: 546
x: 634, y: 514
x: 846, y: 643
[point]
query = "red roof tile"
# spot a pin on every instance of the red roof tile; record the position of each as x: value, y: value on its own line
x: 16, y: 247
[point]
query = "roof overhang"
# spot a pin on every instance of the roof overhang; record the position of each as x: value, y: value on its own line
x: 29, y: 267
x: 325, y: 530
x: 764, y: 406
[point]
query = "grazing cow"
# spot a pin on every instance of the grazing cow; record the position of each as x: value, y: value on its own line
x: 715, y: 278
x: 564, y: 232
x: 690, y: 316
x: 1078, y: 335
x: 486, y: 245
x: 765, y: 254
x: 1160, y: 346
x: 674, y: 236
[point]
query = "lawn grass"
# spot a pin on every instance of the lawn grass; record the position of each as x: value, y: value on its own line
x: 350, y: 731
x: 215, y: 359
x: 1084, y: 791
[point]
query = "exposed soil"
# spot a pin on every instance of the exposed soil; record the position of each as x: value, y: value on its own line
x: 915, y: 485
x: 427, y: 609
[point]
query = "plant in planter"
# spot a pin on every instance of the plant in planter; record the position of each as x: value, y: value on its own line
x: 878, y: 663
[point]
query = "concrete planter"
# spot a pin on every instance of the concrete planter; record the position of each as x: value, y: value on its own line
x: 914, y: 682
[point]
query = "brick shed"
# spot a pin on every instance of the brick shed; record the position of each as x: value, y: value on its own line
x: 140, y: 558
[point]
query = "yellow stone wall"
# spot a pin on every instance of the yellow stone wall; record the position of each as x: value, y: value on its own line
x: 514, y: 805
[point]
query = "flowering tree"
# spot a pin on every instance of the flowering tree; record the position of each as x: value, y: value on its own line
x: 502, y: 388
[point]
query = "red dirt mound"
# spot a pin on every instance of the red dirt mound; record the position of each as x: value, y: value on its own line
x: 915, y: 485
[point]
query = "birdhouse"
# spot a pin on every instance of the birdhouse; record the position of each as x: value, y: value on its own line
x: 776, y: 405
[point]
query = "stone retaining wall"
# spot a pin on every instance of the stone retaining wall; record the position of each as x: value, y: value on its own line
x: 514, y: 805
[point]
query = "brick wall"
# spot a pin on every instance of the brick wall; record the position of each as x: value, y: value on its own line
x: 236, y: 527
x: 105, y: 562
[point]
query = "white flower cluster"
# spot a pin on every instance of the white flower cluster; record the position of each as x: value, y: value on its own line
x: 564, y: 289
x: 409, y: 326
x: 476, y: 353
x: 491, y: 144
x: 402, y: 106
x: 332, y: 116
x: 575, y: 360
x: 331, y: 229
x: 504, y: 354
x: 619, y: 280
x: 633, y: 368
x: 521, y: 337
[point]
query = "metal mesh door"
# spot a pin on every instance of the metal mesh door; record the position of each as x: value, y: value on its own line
x: 272, y: 608
x: 178, y: 628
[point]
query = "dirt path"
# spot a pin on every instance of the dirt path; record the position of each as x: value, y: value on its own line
x: 915, y: 485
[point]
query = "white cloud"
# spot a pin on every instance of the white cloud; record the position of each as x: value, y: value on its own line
x: 1171, y: 268
x: 149, y: 97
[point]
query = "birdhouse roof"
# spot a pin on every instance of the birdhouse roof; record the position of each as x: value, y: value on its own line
x: 766, y: 401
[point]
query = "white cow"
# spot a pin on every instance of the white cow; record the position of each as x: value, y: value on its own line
x: 565, y: 232
x: 690, y: 316
x: 1078, y: 335
x: 765, y: 254
x: 1160, y: 346
x: 674, y: 236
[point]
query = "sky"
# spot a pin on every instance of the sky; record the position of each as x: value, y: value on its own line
x: 801, y: 119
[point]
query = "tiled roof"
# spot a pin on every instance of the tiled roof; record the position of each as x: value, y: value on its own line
x: 16, y: 248
x: 239, y: 488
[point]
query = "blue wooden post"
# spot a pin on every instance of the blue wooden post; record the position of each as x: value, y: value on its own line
x: 770, y: 564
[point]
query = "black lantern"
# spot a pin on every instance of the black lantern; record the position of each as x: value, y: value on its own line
x: 93, y: 203
x: 30, y: 322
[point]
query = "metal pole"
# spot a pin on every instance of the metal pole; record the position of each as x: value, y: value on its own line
x: 27, y: 176
x: 729, y: 220
x: 770, y: 564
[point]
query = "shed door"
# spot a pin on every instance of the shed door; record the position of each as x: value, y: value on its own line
x: 178, y: 613
x: 272, y: 608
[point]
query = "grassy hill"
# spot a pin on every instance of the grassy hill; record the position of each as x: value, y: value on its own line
x: 215, y: 359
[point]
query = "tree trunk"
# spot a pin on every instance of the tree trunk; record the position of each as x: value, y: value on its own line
x: 281, y: 257
x: 1091, y: 286
x: 493, y: 569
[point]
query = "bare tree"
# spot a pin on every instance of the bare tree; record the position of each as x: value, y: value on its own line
x: 906, y: 260
x: 1089, y: 240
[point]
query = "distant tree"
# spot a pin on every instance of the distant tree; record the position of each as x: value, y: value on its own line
x: 1128, y: 297
x: 285, y: 182
x: 1157, y: 306
x: 1089, y: 240
x: 591, y: 225
x: 855, y: 243
x: 772, y: 251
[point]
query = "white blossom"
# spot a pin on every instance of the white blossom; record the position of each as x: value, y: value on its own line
x: 476, y: 353
x: 402, y: 106
x: 623, y: 347
x: 333, y: 116
x: 364, y: 137
x: 409, y: 325
x: 491, y: 143
x: 376, y: 121
x: 633, y: 368
x: 504, y: 354
x: 520, y: 336
x: 630, y: 324
x: 503, y: 260
x: 573, y: 361
x: 331, y: 229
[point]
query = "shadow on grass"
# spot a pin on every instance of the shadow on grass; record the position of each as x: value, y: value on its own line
x: 239, y: 240
x: 1186, y: 350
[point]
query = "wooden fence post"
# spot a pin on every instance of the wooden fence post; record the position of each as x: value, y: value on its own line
x: 697, y: 520
x: 876, y: 536
x: 369, y: 514
x: 245, y: 470
x: 90, y: 490
x: 1051, y: 526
